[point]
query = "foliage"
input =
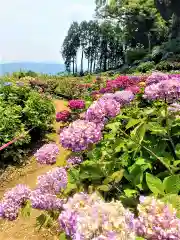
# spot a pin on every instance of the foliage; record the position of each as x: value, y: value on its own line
x: 21, y: 110
x: 135, y: 54
x: 145, y: 67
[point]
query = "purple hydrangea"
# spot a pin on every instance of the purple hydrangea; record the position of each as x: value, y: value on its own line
x: 19, y: 194
x: 124, y: 97
x: 76, y: 104
x: 9, y: 210
x: 156, y: 77
x: 47, y: 154
x: 175, y: 107
x: 73, y: 160
x: 157, y: 220
x: 53, y: 181
x: 168, y: 90
x: 13, y: 200
x: 45, y: 201
x: 102, y: 108
x: 79, y: 135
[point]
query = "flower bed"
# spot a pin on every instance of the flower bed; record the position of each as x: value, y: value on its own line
x: 121, y: 180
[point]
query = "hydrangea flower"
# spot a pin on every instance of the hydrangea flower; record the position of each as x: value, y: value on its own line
x: 53, y: 181
x: 19, y: 194
x: 45, y: 201
x: 47, y: 154
x: 73, y: 160
x: 89, y: 217
x: 13, y: 200
x: 9, y: 210
x: 134, y: 89
x: 157, y: 220
x: 156, y: 77
x: 123, y: 97
x: 63, y: 116
x: 168, y: 90
x: 175, y: 107
x: 104, y: 107
x: 76, y: 104
x: 79, y: 135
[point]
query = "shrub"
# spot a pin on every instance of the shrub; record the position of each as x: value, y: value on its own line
x: 20, y: 110
x: 135, y: 54
x: 167, y: 66
x: 145, y: 67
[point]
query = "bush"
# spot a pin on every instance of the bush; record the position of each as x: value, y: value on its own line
x: 135, y: 54
x: 145, y: 67
x: 157, y: 54
x: 167, y: 66
x: 20, y: 110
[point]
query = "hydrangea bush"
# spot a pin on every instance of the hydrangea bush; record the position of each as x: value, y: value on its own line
x: 121, y: 151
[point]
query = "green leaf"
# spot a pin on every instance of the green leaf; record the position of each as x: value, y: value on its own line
x: 132, y: 122
x: 154, y: 184
x: 130, y: 192
x: 172, y: 184
x: 104, y: 188
x: 26, y: 210
x: 177, y: 150
x: 113, y: 126
x: 117, y: 176
x: 177, y: 162
x: 62, y: 236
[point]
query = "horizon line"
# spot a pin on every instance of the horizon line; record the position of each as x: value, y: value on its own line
x: 48, y: 62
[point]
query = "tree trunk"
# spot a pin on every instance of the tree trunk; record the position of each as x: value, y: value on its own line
x: 82, y: 56
x: 105, y: 58
x: 88, y: 63
x: 73, y: 66
x: 94, y: 66
x: 76, y: 65
x: 91, y: 64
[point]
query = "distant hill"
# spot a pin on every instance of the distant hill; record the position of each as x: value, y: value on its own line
x: 40, y: 67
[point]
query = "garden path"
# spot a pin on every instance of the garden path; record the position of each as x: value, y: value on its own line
x: 24, y: 228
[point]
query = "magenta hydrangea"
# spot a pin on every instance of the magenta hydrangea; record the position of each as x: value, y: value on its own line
x: 53, y: 181
x: 76, y: 104
x: 79, y: 135
x: 47, y: 154
x: 63, y: 116
x: 103, y: 108
x: 123, y: 97
x: 157, y: 220
x: 45, y: 201
x: 168, y: 90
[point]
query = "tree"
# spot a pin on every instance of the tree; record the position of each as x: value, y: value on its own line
x: 70, y: 47
x: 170, y: 9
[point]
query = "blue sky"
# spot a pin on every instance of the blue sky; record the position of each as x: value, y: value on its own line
x: 33, y: 30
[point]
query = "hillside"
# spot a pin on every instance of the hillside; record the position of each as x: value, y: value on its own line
x: 40, y: 67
